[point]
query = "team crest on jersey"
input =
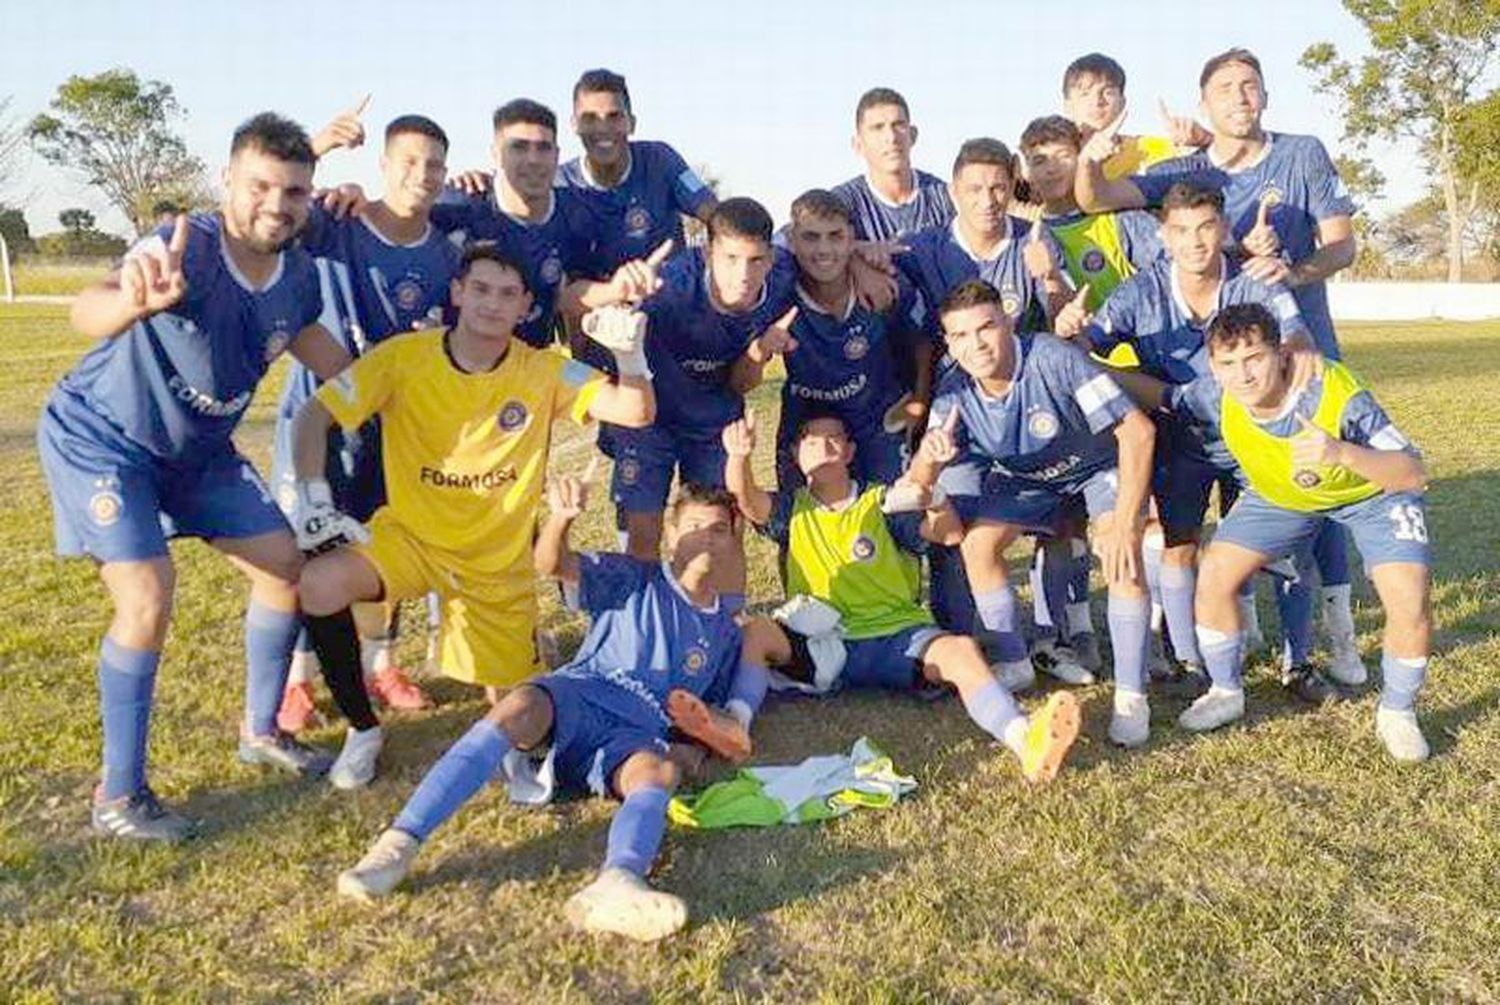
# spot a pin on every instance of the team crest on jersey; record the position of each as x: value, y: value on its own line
x: 512, y: 416
x: 551, y: 270
x: 630, y: 470
x: 1307, y: 478
x: 1042, y: 425
x: 695, y: 660
x: 1272, y: 196
x: 408, y: 294
x: 637, y: 221
x: 1010, y: 302
x: 855, y: 346
x: 1092, y: 261
x: 863, y: 549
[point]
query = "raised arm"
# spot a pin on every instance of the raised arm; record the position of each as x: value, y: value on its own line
x: 317, y: 349
x: 739, y: 444
x: 1094, y: 192
x: 567, y: 498
x: 149, y: 281
x: 630, y: 401
x: 1392, y: 470
x: 749, y: 370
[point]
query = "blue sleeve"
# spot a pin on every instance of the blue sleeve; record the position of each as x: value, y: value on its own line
x: 1160, y: 177
x: 319, y: 233
x: 906, y: 531
x: 1327, y: 196
x: 689, y: 193
x: 1115, y: 320
x: 1198, y: 400
x: 453, y: 211
x: 1365, y: 423
x: 781, y: 284
x: 1280, y: 302
x: 1097, y: 395
x: 1140, y: 236
x: 606, y: 580
x: 778, y: 525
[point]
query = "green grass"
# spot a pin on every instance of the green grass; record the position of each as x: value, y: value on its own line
x: 1285, y: 859
x: 56, y: 279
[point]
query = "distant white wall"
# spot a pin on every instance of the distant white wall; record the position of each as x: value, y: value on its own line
x: 1413, y: 301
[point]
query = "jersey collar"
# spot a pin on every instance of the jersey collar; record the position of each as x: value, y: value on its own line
x: 240, y: 277
x: 916, y: 191
x: 1180, y: 301
x: 374, y: 230
x: 1265, y: 152
x: 672, y: 581
x: 588, y: 177
x: 958, y: 239
x: 522, y: 221
x: 813, y: 305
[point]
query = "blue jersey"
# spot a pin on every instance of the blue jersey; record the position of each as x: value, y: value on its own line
x: 178, y: 382
x: 644, y: 208
x: 875, y: 219
x: 1148, y: 312
x: 852, y: 361
x: 1053, y: 426
x: 691, y: 343
x: 550, y: 250
x: 648, y: 638
x: 1298, y: 178
x: 1363, y: 421
x: 939, y: 260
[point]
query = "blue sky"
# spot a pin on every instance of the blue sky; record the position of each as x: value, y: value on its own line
x: 760, y: 94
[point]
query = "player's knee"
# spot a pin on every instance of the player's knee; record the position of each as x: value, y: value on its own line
x: 763, y: 643
x: 643, y: 531
x: 643, y: 770
x: 1181, y: 556
x: 1217, y: 577
x: 143, y: 606
x: 525, y: 714
x: 956, y: 660
x: 322, y: 587
x: 981, y: 548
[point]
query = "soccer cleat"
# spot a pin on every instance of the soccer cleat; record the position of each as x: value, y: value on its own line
x: 1130, y: 725
x: 394, y: 689
x: 1085, y: 646
x: 278, y: 750
x: 719, y: 731
x: 298, y: 710
x: 1185, y: 680
x: 1346, y: 667
x: 1049, y: 735
x: 1402, y: 737
x: 141, y: 817
x: 355, y: 767
x: 1057, y: 660
x: 1015, y: 675
x: 384, y: 866
x: 1308, y: 683
x: 621, y: 903
x: 1219, y: 706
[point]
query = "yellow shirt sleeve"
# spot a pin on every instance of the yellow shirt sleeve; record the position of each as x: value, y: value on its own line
x: 363, y: 388
x: 577, y: 386
x: 1136, y: 154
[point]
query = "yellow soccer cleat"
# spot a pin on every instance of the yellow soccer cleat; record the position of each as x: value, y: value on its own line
x: 1049, y: 735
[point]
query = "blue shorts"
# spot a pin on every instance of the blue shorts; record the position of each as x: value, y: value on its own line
x: 596, y: 727
x: 879, y: 457
x: 1390, y: 527
x: 646, y: 459
x: 891, y: 662
x: 979, y: 492
x: 117, y: 502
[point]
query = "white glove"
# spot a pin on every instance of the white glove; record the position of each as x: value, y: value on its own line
x: 904, y: 497
x: 622, y: 331
x: 318, y: 524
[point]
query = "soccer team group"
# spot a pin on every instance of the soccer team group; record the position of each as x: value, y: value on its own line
x: 1076, y: 342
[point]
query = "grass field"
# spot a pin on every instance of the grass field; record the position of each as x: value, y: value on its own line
x: 56, y: 279
x: 1284, y: 859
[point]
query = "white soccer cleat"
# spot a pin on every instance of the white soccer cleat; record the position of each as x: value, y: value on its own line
x: 1402, y: 737
x: 1218, y: 707
x: 621, y: 903
x: 384, y: 866
x: 1060, y: 661
x: 355, y: 767
x: 1346, y: 667
x: 1015, y: 675
x: 1130, y: 725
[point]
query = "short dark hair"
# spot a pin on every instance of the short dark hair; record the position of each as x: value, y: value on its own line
x: 489, y: 251
x: 740, y: 216
x: 1095, y: 64
x: 1238, y: 54
x: 275, y: 136
x: 161, y: 207
x: 821, y: 203
x: 602, y: 81
x: 698, y: 494
x: 524, y: 110
x: 817, y: 412
x: 984, y: 150
x: 1192, y: 195
x: 970, y: 293
x: 419, y: 124
x: 874, y: 98
x: 1241, y: 323
x: 1051, y: 129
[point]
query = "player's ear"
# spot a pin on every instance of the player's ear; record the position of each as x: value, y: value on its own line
x: 456, y: 292
x: 630, y: 118
x: 911, y: 130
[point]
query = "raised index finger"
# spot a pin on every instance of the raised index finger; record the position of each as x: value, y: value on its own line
x: 950, y: 424
x: 364, y: 103
x: 787, y: 319
x: 1263, y: 213
x: 660, y: 254
x: 1114, y: 127
x: 177, y: 246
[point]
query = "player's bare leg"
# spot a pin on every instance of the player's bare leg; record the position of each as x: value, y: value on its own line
x: 643, y: 535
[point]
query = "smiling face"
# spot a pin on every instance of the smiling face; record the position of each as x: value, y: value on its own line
x: 884, y: 139
x: 491, y: 299
x: 1093, y: 102
x: 1050, y: 168
x: 413, y: 167
x: 1251, y: 370
x: 526, y: 154
x: 981, y: 193
x: 266, y: 199
x: 1233, y: 100
x: 978, y: 337
x: 822, y: 246
x: 603, y: 125
x: 1194, y: 238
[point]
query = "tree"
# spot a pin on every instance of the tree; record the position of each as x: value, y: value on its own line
x: 1428, y: 56
x: 13, y: 228
x: 116, y: 130
x: 76, y: 221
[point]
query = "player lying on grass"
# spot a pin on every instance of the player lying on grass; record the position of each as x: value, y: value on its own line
x: 1327, y: 453
x: 136, y: 446
x: 842, y: 548
x: 467, y: 416
x: 1039, y: 423
x: 661, y: 641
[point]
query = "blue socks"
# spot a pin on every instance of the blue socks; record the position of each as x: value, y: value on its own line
x: 1057, y: 580
x: 1294, y: 604
x: 1223, y: 655
x: 1331, y: 552
x: 992, y: 709
x: 126, y: 680
x: 636, y: 831
x: 997, y: 612
x: 747, y: 692
x: 269, y: 638
x: 1403, y: 679
x: 453, y: 780
x: 1178, y: 583
x: 1130, y: 637
x: 732, y: 603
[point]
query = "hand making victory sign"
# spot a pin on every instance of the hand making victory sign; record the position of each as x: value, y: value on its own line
x: 151, y: 278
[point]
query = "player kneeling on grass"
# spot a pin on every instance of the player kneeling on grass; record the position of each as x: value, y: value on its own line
x: 1040, y: 423
x: 846, y: 549
x: 660, y: 646
x: 1329, y: 452
x: 466, y: 416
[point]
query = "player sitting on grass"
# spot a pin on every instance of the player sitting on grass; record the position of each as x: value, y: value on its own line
x: 1039, y: 423
x: 1328, y: 453
x: 843, y: 549
x: 661, y: 641
x: 467, y: 416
